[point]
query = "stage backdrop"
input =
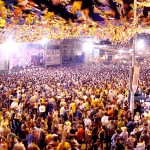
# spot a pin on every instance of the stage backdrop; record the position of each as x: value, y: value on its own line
x: 52, y: 57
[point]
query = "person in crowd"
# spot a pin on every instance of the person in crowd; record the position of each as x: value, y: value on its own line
x: 140, y: 144
x: 19, y: 145
x: 131, y: 142
x: 124, y: 135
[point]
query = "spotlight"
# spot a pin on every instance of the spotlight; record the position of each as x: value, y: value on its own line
x: 88, y: 47
x: 44, y: 41
x: 140, y: 44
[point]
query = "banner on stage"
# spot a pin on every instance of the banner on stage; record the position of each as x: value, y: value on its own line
x: 52, y: 57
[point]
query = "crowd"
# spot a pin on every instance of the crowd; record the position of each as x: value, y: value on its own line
x: 73, y: 108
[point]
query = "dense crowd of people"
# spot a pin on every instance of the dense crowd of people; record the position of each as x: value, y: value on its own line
x: 73, y: 108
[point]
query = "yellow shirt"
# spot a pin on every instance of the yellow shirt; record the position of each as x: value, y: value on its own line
x: 94, y: 102
x: 73, y: 107
x: 100, y: 104
x: 86, y: 105
x: 42, y: 100
x: 108, y: 86
x: 48, y: 138
x: 2, y: 22
x: 63, y: 146
x: 97, y: 91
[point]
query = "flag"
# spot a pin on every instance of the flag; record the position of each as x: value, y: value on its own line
x: 136, y: 71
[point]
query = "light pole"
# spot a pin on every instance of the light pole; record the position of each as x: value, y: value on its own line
x: 135, y: 22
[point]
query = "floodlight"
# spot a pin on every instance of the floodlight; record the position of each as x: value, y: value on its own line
x: 140, y: 44
x: 88, y: 47
x: 121, y: 51
x: 10, y: 47
x: 44, y: 41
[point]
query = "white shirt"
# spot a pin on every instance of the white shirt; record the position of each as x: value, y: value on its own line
x: 124, y: 135
x: 82, y: 106
x: 18, y: 96
x: 84, y: 97
x: 146, y: 104
x: 14, y: 105
x: 104, y: 120
x: 19, y: 146
x: 111, y: 95
x: 42, y: 108
x: 87, y: 121
x: 120, y: 97
x: 136, y: 118
x: 20, y: 106
x: 140, y: 146
x: 62, y: 110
